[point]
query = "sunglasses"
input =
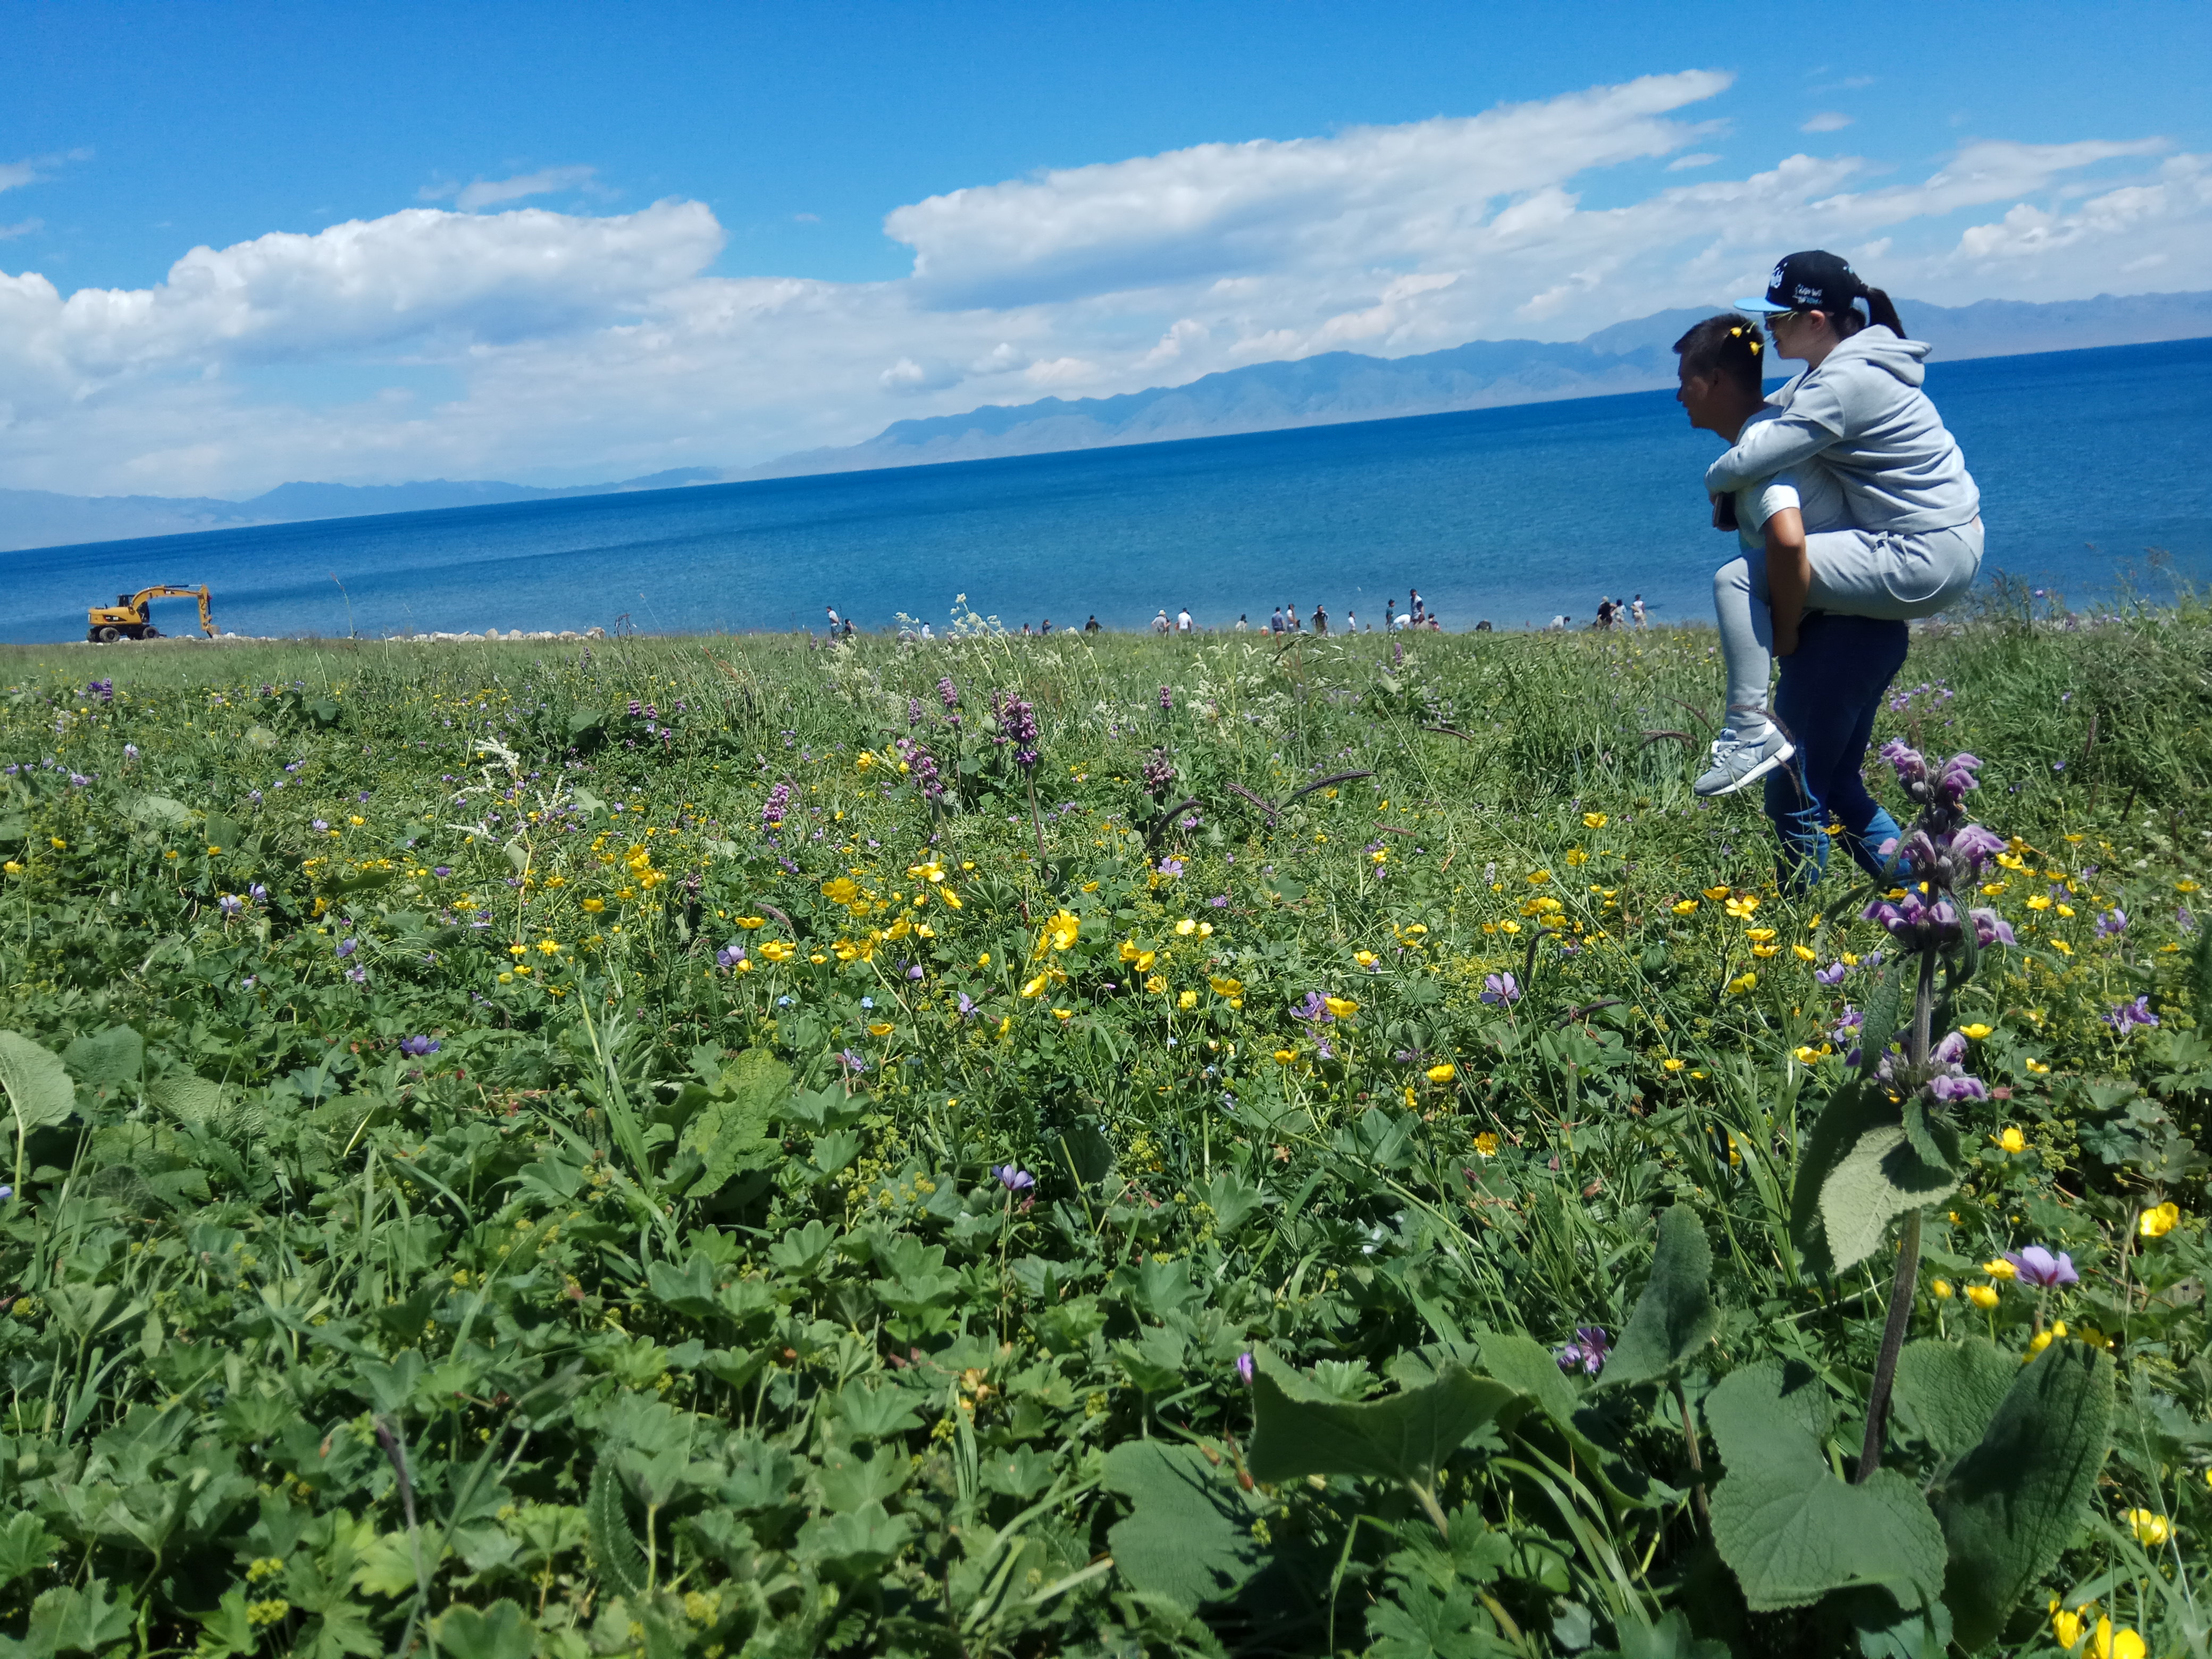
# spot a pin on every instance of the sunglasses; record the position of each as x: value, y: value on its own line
x: 1776, y: 319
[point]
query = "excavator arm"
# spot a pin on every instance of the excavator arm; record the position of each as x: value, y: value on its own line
x: 129, y: 614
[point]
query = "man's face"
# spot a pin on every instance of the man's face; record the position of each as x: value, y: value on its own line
x: 1698, y: 394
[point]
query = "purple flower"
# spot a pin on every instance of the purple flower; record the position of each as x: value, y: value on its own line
x: 358, y: 976
x: 1990, y: 928
x: 1912, y: 765
x: 103, y: 689
x: 1972, y: 847
x: 914, y: 972
x: 729, y: 955
x: 1957, y: 777
x: 1587, y: 1352
x: 130, y: 751
x: 1171, y: 866
x: 1500, y: 990
x: 442, y: 871
x: 1315, y: 1008
x: 1950, y: 1090
x: 1245, y: 1365
x: 347, y: 947
x: 966, y: 1006
x: 1950, y: 1051
x: 853, y: 1064
x: 2113, y: 923
x: 1219, y: 902
x: 772, y: 808
x: 1831, y: 975
x: 419, y: 1047
x: 6, y: 1192
x: 231, y: 904
x: 2039, y: 1267
x: 2127, y: 1014
x: 1167, y: 701
x: 319, y: 826
x: 948, y: 693
x: 1013, y: 1177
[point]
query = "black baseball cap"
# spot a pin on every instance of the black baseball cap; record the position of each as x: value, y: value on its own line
x: 1811, y: 280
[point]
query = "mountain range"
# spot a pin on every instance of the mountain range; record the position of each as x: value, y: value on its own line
x: 1334, y: 387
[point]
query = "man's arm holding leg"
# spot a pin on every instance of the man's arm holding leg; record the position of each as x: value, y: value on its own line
x: 1789, y: 576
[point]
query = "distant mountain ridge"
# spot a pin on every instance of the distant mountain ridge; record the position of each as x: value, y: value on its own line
x: 1334, y: 387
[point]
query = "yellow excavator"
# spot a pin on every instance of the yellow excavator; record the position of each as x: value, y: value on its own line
x: 130, y: 618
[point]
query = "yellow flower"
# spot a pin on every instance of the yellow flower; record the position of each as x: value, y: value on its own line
x: 1763, y: 952
x: 61, y: 846
x: 2012, y: 1140
x: 2158, y: 1220
x: 1997, y: 1267
x: 1671, y: 1064
x: 356, y: 820
x: 1141, y: 960
x: 751, y: 922
x: 1760, y: 934
x: 1594, y: 820
x: 507, y: 979
x: 2037, y: 1068
x: 516, y: 950
x: 1806, y: 1054
x: 1036, y: 987
x: 1364, y: 958
x: 1742, y: 982
x: 1156, y: 983
x: 549, y: 947
x: 1716, y: 894
x: 593, y: 906
x: 1942, y: 1289
x: 13, y: 868
x: 1225, y: 987
x: 2185, y: 887
x: 1341, y: 1008
x: 1187, y: 1000
x: 778, y: 950
x: 1535, y: 878
x: 843, y: 890
x: 1685, y: 907
x: 817, y: 958
x: 2040, y: 902
x: 864, y: 762
x: 1186, y: 928
x: 1741, y: 909
x: 1442, y: 1072
x: 881, y: 1028
x: 1284, y: 1056
x: 1981, y: 1296
x: 1486, y: 1144
x: 1976, y: 1031
x: 2065, y: 1625
x: 2150, y: 1526
x: 2121, y: 1643
x: 1511, y: 926
x: 983, y: 960
x: 1379, y: 855
x: 1804, y: 953
x: 1059, y: 933
x: 2066, y: 910
x: 1576, y: 856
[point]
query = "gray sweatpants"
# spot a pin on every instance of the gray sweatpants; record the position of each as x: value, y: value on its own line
x: 1856, y: 573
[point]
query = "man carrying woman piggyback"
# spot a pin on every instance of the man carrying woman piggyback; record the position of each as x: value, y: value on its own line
x: 1854, y: 513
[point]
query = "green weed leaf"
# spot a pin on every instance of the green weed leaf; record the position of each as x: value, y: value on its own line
x: 38, y: 1085
x: 1299, y: 1430
x: 1675, y: 1316
x: 2010, y: 1505
x: 1190, y: 1537
x: 501, y: 1630
x: 1948, y: 1392
x: 1790, y: 1530
x: 614, y: 1544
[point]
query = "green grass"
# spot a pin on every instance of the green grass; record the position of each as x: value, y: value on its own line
x: 690, y: 1335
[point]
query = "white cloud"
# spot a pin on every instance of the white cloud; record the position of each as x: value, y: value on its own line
x: 546, y: 344
x: 14, y: 175
x: 1827, y: 121
x: 490, y: 193
x: 1698, y: 159
x: 22, y: 228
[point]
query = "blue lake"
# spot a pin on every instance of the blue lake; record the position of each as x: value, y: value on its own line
x: 2085, y: 460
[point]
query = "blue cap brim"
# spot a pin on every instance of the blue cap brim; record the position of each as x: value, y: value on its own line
x: 1763, y: 307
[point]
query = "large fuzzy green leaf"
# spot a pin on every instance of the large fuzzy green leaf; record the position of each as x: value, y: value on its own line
x: 2009, y: 1505
x: 501, y: 1630
x: 1885, y: 1009
x: 1858, y: 1173
x: 38, y: 1085
x: 731, y: 1132
x: 1299, y: 1430
x: 1789, y: 1527
x: 1948, y: 1392
x: 1190, y: 1537
x: 117, y: 1056
x: 1527, y: 1368
x: 1675, y: 1316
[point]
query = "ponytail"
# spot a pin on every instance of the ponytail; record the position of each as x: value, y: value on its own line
x: 1883, y: 314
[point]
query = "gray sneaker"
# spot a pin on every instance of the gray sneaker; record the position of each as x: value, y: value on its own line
x: 1739, y: 761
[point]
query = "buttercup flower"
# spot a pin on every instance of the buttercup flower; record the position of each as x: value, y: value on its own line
x: 2158, y: 1220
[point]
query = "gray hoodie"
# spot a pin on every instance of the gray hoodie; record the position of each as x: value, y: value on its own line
x: 1862, y: 413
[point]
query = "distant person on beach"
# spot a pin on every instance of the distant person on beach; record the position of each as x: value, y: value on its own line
x: 835, y: 622
x: 1182, y: 620
x: 1047, y: 629
x: 1414, y: 602
x: 1560, y: 623
x: 1483, y: 627
x: 1275, y: 621
x: 926, y: 636
x: 1910, y: 542
x: 1604, y: 613
x: 1242, y: 625
x: 1351, y: 621
x: 1092, y: 626
x: 1636, y: 609
x: 1160, y: 622
x: 1321, y: 621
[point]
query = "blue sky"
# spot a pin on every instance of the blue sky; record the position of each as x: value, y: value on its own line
x: 707, y: 234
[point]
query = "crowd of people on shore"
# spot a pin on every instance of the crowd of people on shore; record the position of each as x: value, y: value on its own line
x: 1283, y: 619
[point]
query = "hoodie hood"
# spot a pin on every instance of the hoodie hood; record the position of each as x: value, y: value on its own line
x: 1876, y: 347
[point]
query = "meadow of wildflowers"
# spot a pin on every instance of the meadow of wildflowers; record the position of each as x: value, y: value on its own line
x: 724, y: 1146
